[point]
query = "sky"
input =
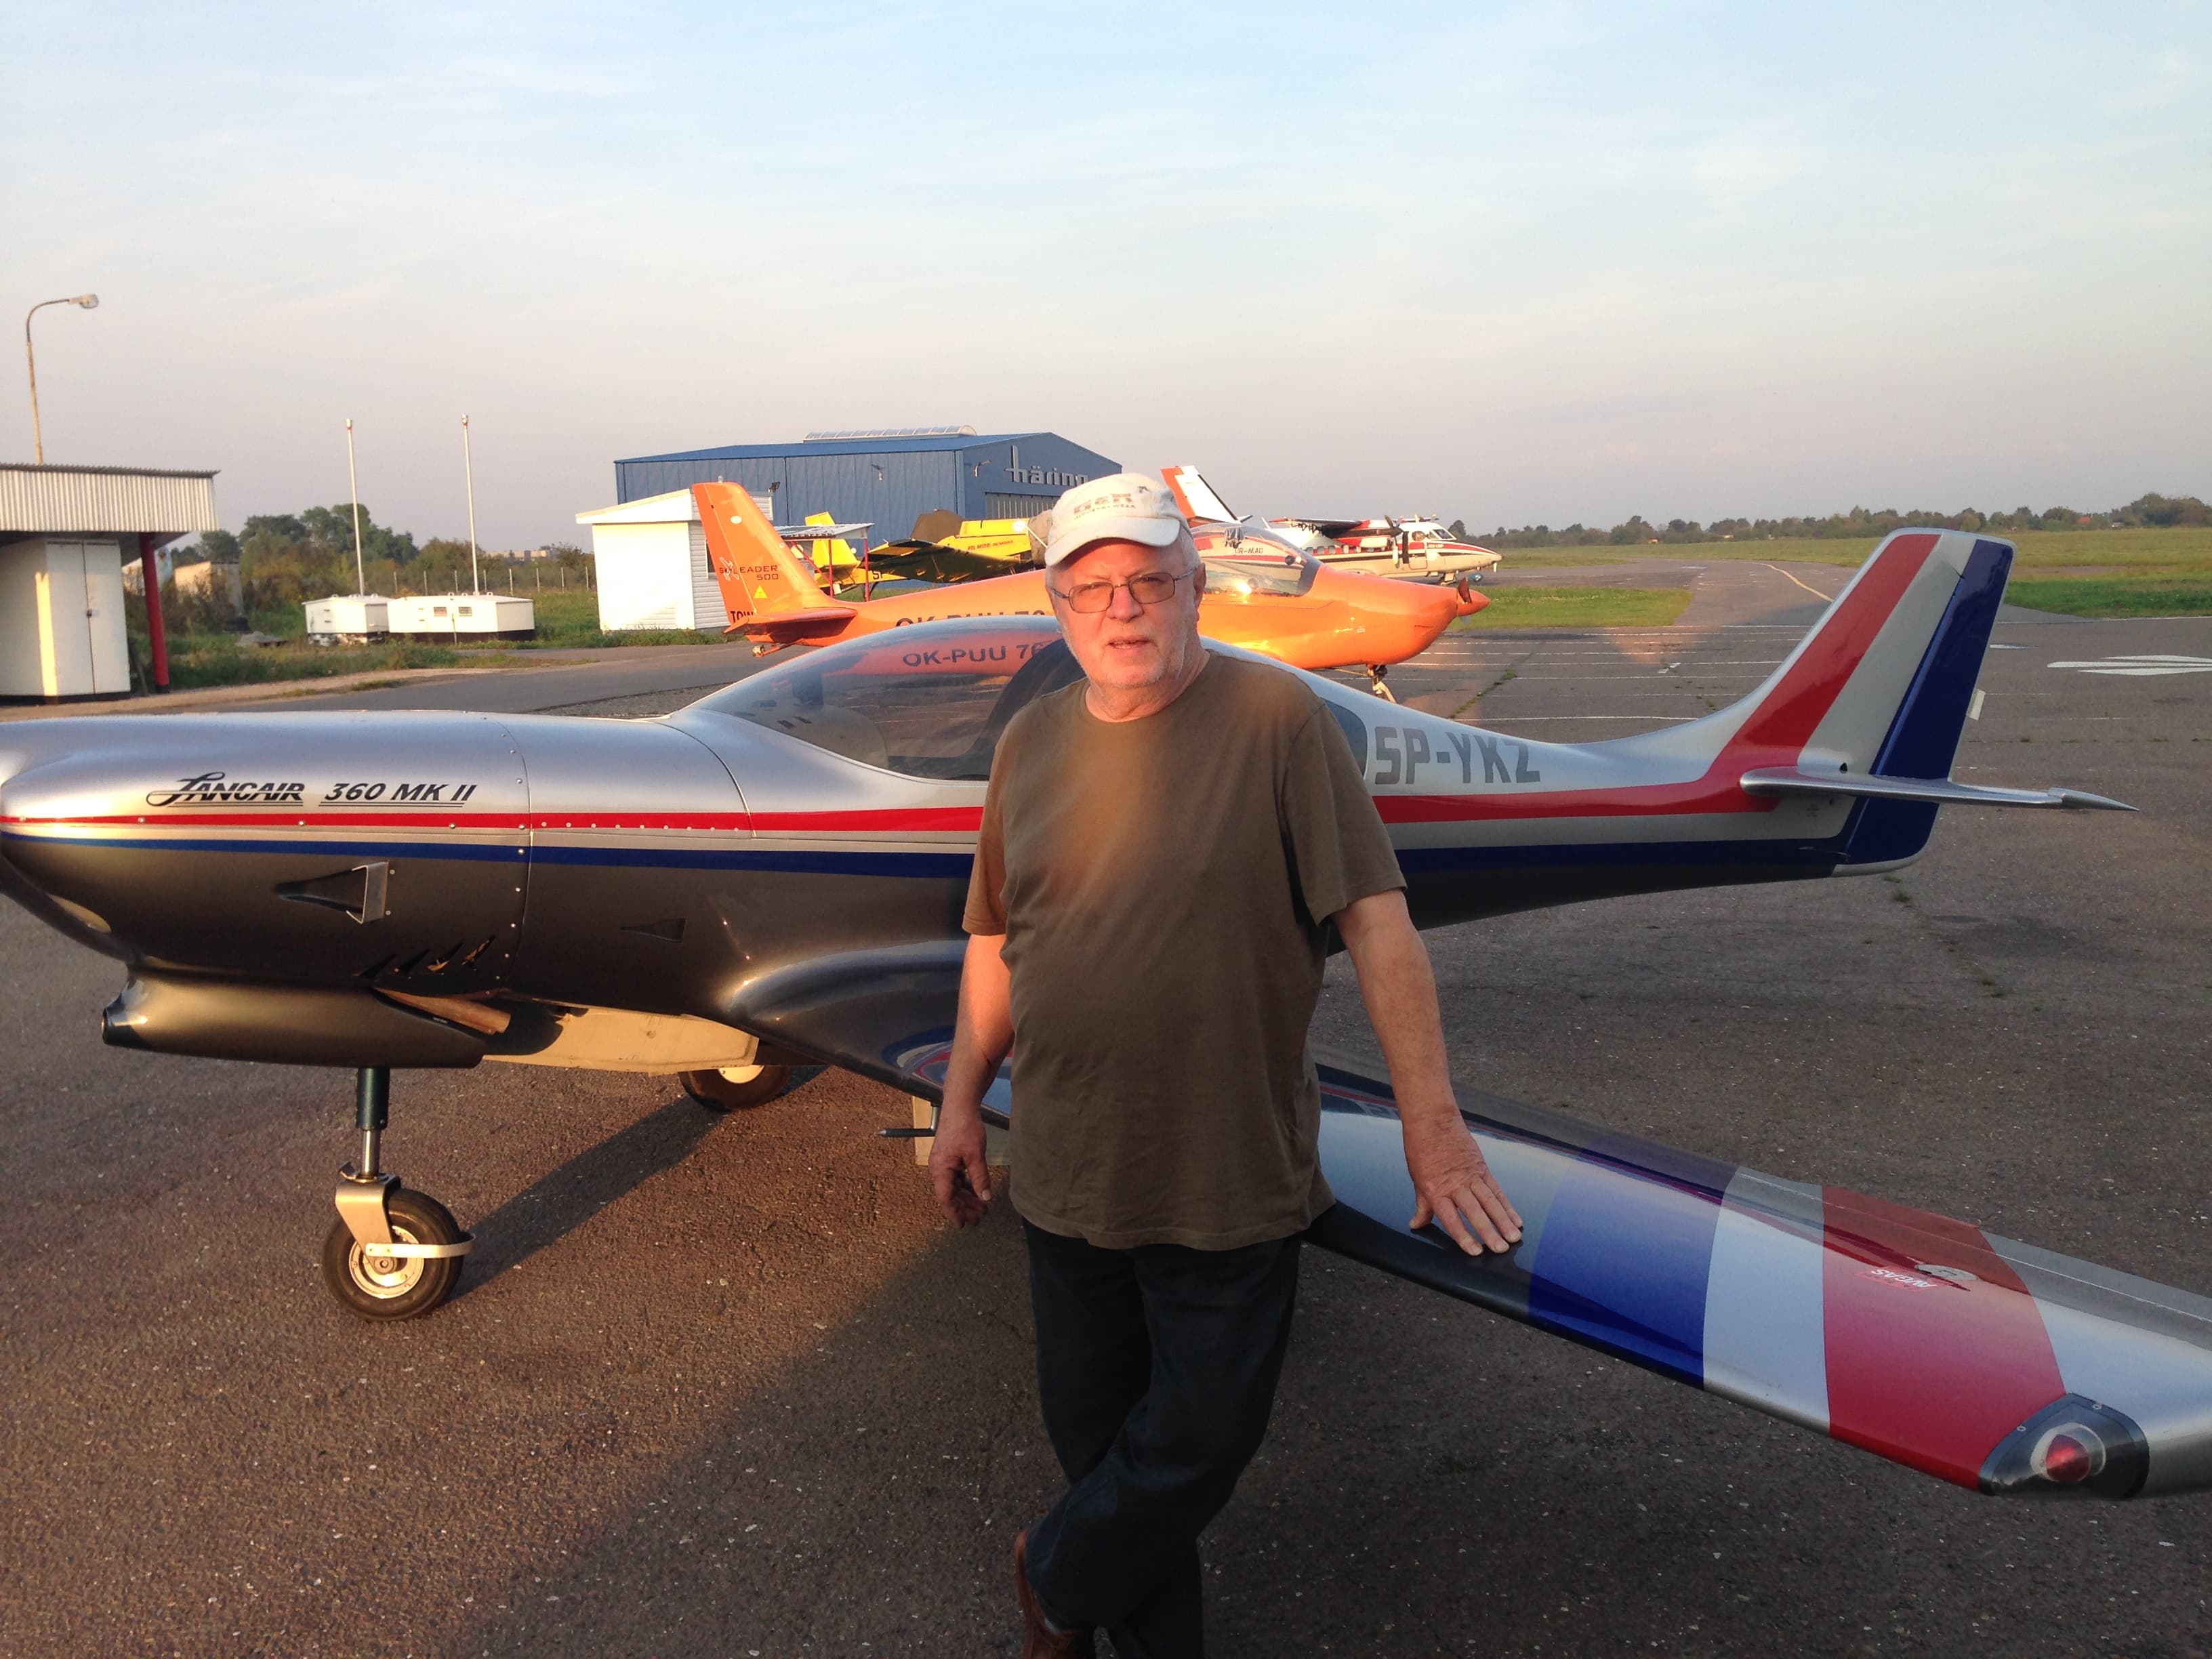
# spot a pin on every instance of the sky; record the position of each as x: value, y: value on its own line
x: 1507, y: 263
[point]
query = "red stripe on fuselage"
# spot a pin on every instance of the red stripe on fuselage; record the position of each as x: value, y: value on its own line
x: 1709, y: 794
x: 298, y: 817
x: 937, y: 819
x: 888, y: 820
x: 1929, y: 1370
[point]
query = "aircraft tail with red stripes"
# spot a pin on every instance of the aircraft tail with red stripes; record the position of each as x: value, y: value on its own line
x: 1837, y: 764
x: 1871, y: 706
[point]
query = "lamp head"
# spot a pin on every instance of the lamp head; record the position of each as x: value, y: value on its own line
x: 87, y: 301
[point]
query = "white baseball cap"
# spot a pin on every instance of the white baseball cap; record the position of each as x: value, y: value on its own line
x: 1123, y: 507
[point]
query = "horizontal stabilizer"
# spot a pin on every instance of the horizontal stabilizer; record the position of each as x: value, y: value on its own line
x: 790, y: 627
x: 1939, y: 792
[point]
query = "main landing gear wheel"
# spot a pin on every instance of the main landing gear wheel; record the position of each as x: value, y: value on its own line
x: 391, y: 1254
x: 735, y: 1088
x: 379, y: 1286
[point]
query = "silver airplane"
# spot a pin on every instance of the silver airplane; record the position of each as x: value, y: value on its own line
x: 1408, y: 550
x: 774, y: 877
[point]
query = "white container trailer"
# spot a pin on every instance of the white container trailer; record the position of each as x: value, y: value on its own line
x: 463, y: 617
x: 62, y: 632
x: 354, y: 618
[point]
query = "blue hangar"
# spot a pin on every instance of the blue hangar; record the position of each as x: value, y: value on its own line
x: 886, y: 478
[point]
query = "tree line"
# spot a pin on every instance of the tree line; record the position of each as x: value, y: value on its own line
x: 1860, y: 524
x: 284, y: 559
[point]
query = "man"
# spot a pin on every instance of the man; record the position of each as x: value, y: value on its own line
x: 1165, y: 844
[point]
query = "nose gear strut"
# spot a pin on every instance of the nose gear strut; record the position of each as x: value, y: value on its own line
x: 391, y: 1254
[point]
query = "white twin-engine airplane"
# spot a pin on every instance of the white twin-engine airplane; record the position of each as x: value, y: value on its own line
x: 1419, y: 549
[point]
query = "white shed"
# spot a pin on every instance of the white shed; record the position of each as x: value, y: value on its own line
x: 61, y: 619
x: 651, y: 557
x: 65, y: 534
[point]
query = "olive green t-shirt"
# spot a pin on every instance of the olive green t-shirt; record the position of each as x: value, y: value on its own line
x: 1163, y: 885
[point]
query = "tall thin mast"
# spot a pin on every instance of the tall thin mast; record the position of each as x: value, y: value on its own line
x: 353, y: 482
x: 468, y: 467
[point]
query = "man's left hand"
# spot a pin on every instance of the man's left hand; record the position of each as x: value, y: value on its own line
x: 1454, y: 1187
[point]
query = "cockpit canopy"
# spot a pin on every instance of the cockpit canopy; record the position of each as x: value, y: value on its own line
x: 930, y: 702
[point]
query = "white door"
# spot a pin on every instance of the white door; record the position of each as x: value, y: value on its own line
x: 65, y: 630
x: 109, y: 636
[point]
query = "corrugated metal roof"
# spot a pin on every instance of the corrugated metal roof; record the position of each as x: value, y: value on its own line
x: 88, y: 499
x: 672, y: 507
x: 837, y: 446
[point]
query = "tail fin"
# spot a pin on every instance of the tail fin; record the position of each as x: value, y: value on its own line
x: 1195, y: 496
x: 1872, y: 703
x: 1882, y: 683
x: 762, y: 581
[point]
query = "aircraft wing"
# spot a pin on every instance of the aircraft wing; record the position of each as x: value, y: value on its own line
x: 937, y: 563
x: 824, y: 532
x: 1991, y: 1364
x: 1335, y: 529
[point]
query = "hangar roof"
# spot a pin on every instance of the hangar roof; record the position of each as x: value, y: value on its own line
x: 840, y: 447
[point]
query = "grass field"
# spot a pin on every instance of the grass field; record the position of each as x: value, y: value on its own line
x: 216, y: 659
x: 2114, y: 596
x: 566, y: 621
x: 2080, y: 573
x: 1579, y: 607
x: 571, y: 622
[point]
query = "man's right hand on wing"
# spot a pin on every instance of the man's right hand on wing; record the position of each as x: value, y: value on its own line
x: 983, y: 1037
x: 958, y: 1167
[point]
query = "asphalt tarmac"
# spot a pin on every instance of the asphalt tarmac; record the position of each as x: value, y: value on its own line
x: 730, y: 1387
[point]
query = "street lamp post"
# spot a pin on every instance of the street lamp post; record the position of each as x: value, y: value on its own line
x: 87, y: 302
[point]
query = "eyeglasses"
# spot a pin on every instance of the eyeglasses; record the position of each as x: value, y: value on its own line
x: 1146, y: 587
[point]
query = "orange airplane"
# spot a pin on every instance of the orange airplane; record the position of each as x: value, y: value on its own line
x: 1260, y: 594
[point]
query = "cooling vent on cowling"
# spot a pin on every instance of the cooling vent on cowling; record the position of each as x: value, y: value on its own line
x: 361, y: 892
x: 426, y: 962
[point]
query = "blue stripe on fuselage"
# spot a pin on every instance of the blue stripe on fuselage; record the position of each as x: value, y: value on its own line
x: 1413, y: 860
x: 809, y: 861
x: 1550, y: 855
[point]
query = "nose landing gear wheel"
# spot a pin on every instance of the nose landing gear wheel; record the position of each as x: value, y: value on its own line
x: 734, y: 1088
x: 395, y: 1287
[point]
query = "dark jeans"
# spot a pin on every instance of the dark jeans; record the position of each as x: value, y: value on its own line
x: 1157, y: 1370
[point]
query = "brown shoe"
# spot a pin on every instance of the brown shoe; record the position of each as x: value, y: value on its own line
x: 1039, y: 1639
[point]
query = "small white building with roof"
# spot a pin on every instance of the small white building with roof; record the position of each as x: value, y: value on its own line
x: 65, y: 534
x: 650, y: 561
